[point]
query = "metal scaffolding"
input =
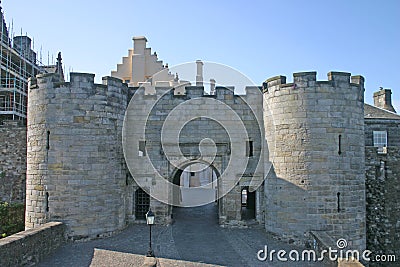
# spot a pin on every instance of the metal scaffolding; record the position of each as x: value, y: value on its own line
x: 18, y: 62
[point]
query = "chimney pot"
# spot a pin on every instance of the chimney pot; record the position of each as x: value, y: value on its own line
x: 199, y: 75
x: 383, y: 99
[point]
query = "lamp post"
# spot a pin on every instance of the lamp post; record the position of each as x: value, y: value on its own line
x: 150, y: 222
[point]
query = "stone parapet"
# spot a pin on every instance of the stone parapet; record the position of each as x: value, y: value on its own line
x: 30, y: 247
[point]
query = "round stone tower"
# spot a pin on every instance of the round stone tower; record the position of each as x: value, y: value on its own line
x: 75, y: 169
x: 315, y: 135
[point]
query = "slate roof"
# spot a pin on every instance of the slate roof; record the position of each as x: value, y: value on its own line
x: 371, y: 112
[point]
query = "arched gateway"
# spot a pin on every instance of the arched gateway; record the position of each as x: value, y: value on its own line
x: 196, y: 184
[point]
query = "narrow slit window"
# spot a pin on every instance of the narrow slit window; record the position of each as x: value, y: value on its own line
x: 382, y: 169
x: 249, y: 148
x: 47, y: 201
x: 338, y: 202
x: 48, y: 140
x: 340, y: 145
x: 377, y: 171
x: 142, y: 148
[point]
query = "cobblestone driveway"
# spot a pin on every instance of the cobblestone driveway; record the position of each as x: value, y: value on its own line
x: 195, y: 236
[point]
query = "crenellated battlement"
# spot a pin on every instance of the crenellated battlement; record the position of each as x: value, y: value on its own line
x: 77, y: 78
x: 194, y: 91
x: 185, y: 89
x: 308, y: 80
x: 80, y: 84
x: 46, y: 78
x: 224, y: 90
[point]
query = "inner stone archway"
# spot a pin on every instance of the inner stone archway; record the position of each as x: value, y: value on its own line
x: 197, y: 184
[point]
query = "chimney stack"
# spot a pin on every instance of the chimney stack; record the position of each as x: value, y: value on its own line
x: 139, y: 44
x: 199, y: 75
x: 383, y: 99
x: 212, y: 87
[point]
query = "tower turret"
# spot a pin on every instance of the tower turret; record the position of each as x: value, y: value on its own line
x: 75, y: 170
x: 314, y: 131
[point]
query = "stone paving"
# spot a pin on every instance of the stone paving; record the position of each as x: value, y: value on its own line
x: 193, y: 239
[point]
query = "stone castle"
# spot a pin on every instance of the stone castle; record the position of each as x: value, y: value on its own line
x: 308, y: 159
x: 311, y: 131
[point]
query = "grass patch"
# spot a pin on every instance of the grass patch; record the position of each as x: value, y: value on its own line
x: 12, y: 218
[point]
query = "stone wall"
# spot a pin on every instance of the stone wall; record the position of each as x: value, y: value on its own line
x: 12, y: 161
x: 29, y: 247
x: 383, y: 189
x: 313, y: 131
x: 76, y: 173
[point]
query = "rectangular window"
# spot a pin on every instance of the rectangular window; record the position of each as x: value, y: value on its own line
x: 142, y: 148
x: 249, y: 148
x: 380, y: 138
x: 244, y: 197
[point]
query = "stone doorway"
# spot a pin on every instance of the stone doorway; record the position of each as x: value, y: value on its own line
x: 198, y: 184
x: 248, y: 201
x: 142, y: 204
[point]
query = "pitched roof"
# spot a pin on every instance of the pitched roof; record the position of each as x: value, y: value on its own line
x: 371, y: 112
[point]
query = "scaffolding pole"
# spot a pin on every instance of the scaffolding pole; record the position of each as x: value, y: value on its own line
x: 18, y: 62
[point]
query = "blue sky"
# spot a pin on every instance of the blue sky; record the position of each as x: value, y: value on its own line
x: 259, y: 38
